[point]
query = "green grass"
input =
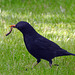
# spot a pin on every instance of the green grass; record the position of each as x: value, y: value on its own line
x: 48, y: 19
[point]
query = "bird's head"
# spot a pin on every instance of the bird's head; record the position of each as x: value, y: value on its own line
x: 24, y: 27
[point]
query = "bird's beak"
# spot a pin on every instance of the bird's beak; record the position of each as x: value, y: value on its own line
x: 12, y: 26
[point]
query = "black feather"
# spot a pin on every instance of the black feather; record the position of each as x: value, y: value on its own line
x: 39, y: 46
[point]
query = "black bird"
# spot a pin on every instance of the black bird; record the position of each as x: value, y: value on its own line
x: 39, y: 46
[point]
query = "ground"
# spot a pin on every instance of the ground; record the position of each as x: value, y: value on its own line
x: 54, y: 20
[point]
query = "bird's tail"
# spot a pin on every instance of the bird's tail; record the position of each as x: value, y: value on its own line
x: 64, y: 53
x: 72, y: 54
x: 68, y: 53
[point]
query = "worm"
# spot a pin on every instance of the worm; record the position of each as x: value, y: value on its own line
x: 9, y: 32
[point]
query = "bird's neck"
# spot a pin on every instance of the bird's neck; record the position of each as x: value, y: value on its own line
x: 29, y: 32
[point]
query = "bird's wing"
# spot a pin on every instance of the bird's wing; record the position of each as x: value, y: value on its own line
x: 45, y: 48
x: 45, y: 44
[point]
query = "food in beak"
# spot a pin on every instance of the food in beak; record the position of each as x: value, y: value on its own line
x: 12, y: 26
x: 9, y: 32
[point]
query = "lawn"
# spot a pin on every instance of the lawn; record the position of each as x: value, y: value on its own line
x: 53, y: 19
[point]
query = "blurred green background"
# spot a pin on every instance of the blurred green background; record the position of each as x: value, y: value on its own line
x: 54, y: 19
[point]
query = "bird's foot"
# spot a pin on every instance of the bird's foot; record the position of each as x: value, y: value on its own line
x: 34, y: 65
x: 56, y: 65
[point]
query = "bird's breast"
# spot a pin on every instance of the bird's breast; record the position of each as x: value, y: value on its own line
x: 29, y: 42
x: 31, y: 47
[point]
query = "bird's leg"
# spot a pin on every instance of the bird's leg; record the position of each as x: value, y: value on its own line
x: 38, y: 60
x: 50, y: 63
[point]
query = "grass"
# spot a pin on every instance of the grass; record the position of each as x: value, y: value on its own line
x: 54, y: 20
